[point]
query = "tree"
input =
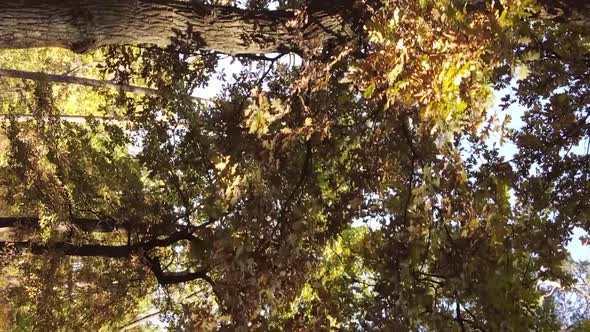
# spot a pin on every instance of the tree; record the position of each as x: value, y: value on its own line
x: 90, y: 24
x: 244, y: 213
x: 86, y: 25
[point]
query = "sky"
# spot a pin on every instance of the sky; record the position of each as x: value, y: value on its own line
x: 576, y: 249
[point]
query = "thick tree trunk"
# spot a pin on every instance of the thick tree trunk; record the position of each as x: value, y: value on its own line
x: 82, y: 25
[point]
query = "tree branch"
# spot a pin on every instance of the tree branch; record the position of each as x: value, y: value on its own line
x: 167, y: 278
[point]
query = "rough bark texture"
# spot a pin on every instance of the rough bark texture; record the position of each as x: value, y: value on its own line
x: 82, y: 25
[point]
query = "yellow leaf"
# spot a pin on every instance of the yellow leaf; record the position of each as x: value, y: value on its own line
x: 222, y: 164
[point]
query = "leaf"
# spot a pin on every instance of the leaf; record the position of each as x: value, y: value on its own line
x: 522, y: 71
x: 369, y: 90
x: 222, y: 164
x: 394, y: 73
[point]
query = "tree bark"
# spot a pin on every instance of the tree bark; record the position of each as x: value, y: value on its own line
x: 82, y: 25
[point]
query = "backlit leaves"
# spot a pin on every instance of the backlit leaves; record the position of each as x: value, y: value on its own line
x: 362, y: 190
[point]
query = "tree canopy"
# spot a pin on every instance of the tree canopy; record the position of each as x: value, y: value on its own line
x: 387, y: 165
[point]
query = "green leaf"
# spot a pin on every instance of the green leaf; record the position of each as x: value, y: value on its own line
x: 369, y: 90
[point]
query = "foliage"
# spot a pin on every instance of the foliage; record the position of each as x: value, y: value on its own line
x: 364, y: 189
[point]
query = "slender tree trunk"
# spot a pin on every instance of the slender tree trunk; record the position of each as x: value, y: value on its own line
x: 25, y: 228
x: 82, y: 25
x: 35, y: 76
x: 139, y: 321
x: 118, y: 251
x: 22, y: 117
x: 84, y: 224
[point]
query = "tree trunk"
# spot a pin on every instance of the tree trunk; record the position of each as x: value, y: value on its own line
x: 84, y: 224
x: 82, y: 25
x: 139, y: 321
x: 22, y: 117
x: 118, y: 251
x: 68, y: 249
x: 25, y: 228
x: 27, y: 75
